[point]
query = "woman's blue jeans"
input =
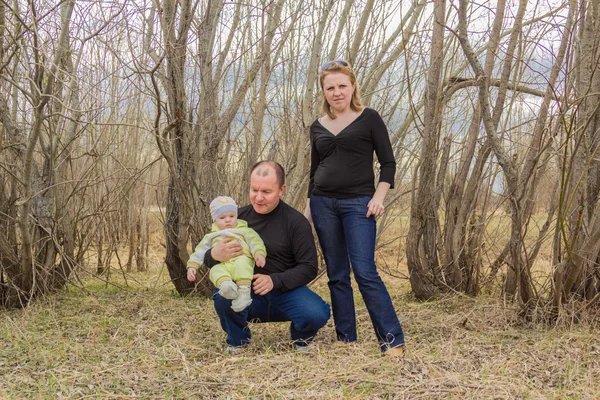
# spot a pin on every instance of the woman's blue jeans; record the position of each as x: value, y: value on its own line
x: 347, y: 237
x: 307, y: 311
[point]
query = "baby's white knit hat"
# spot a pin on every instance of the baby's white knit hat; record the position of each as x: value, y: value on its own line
x: 222, y: 204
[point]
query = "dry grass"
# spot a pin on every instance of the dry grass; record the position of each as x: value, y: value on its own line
x: 145, y: 342
x: 140, y: 340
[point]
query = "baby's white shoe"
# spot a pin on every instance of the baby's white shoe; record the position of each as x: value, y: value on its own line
x: 243, y: 300
x: 229, y: 290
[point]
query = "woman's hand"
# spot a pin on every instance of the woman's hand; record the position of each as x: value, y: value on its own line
x: 307, y: 211
x: 376, y: 207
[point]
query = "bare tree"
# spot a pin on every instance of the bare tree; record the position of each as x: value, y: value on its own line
x: 203, y: 89
x: 43, y: 210
x: 577, y: 239
x: 421, y: 251
x: 192, y: 149
x: 521, y: 183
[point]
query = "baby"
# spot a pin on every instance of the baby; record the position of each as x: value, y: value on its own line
x: 234, y: 277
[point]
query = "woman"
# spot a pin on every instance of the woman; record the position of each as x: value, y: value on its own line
x: 343, y: 203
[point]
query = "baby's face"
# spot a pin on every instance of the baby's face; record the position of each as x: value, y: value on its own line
x: 226, y: 220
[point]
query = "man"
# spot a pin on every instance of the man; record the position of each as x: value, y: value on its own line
x: 279, y: 288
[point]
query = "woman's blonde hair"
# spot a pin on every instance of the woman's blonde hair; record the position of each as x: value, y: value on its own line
x: 346, y: 69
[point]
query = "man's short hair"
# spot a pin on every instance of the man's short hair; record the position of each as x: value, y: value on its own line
x: 260, y: 169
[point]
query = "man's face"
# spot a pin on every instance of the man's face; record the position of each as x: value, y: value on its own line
x: 265, y: 191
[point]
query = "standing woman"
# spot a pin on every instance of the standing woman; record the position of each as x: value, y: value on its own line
x: 343, y: 203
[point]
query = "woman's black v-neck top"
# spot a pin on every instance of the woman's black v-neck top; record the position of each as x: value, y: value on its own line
x: 342, y: 164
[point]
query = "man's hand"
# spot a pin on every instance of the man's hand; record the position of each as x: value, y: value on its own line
x: 259, y: 259
x: 226, y: 249
x: 262, y: 284
x: 191, y: 274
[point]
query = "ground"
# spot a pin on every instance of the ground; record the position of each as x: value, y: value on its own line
x: 142, y: 340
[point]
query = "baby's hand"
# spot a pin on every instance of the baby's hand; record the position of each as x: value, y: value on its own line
x: 259, y: 259
x: 191, y: 274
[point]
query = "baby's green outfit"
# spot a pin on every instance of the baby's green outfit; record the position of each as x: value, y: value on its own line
x: 239, y: 270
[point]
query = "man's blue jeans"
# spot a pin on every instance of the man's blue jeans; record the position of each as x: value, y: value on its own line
x: 307, y: 311
x: 347, y: 237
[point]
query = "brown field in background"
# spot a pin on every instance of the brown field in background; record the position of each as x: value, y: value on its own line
x: 134, y: 337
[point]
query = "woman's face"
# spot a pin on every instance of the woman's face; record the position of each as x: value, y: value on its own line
x: 338, y: 91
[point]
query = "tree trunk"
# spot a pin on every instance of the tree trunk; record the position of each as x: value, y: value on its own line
x: 421, y: 251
